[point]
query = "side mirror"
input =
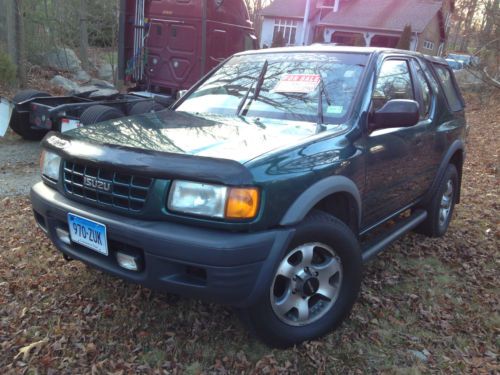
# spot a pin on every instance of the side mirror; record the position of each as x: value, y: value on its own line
x: 396, y: 113
x: 181, y: 93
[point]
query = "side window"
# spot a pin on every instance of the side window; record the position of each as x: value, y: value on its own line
x: 425, y: 89
x: 450, y: 91
x: 393, y: 82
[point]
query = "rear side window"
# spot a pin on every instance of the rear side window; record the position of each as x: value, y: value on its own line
x: 425, y: 108
x: 450, y: 90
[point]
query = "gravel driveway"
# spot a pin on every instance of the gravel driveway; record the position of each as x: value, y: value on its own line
x: 19, y: 168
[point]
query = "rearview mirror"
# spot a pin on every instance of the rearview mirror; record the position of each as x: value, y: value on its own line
x: 396, y: 113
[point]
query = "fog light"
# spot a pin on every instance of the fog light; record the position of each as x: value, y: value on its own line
x: 129, y: 262
x: 63, y: 236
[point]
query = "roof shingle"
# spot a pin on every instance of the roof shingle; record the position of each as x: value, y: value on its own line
x: 391, y: 15
x: 288, y: 8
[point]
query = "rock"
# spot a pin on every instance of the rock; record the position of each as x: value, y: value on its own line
x: 82, y: 75
x: 419, y: 355
x: 105, y: 71
x: 104, y: 92
x: 62, y: 59
x: 63, y: 82
x: 96, y: 91
x: 102, y: 83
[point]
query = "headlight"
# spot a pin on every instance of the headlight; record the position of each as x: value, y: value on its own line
x: 49, y: 165
x: 213, y: 200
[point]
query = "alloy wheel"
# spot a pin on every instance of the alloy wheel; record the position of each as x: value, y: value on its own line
x: 306, y: 284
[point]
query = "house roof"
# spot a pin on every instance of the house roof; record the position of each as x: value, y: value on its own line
x: 288, y: 9
x: 391, y: 15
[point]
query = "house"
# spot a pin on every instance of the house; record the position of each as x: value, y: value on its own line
x: 377, y: 23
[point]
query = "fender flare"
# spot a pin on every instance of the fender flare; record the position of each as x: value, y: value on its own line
x: 315, y: 193
x: 458, y: 145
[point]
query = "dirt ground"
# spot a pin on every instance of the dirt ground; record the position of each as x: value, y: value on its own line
x: 427, y: 305
x: 18, y: 165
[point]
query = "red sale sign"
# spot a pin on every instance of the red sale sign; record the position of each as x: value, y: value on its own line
x: 298, y: 83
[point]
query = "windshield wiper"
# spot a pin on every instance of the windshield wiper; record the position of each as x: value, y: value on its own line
x: 322, y: 92
x: 242, y: 109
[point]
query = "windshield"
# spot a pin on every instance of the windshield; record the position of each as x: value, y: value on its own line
x: 455, y: 65
x: 292, y: 85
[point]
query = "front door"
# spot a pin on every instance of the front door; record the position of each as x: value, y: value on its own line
x: 394, y: 155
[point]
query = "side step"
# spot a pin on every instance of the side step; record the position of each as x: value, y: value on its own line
x: 377, y: 245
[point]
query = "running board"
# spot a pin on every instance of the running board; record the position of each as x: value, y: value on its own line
x: 374, y: 247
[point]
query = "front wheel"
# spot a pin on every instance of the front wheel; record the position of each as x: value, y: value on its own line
x: 314, y: 286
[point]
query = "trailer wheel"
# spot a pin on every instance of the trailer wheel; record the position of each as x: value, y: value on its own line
x: 19, y: 122
x: 98, y: 113
x: 145, y: 107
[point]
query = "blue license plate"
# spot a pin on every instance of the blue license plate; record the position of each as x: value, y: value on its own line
x: 88, y: 233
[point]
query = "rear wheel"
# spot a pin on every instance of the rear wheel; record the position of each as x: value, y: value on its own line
x: 145, y: 107
x: 99, y: 113
x: 440, y: 209
x: 20, y: 122
x: 314, y: 286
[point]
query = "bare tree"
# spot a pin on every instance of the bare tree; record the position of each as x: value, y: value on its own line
x: 84, y: 35
x: 10, y: 17
x: 19, y: 39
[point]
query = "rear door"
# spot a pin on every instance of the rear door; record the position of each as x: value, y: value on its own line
x: 428, y: 147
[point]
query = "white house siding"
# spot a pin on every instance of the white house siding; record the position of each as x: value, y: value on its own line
x: 266, y: 34
x: 267, y: 31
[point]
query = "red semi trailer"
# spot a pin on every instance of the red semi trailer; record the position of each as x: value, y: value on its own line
x: 165, y: 46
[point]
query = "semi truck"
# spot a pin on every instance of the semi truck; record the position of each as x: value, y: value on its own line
x: 164, y: 47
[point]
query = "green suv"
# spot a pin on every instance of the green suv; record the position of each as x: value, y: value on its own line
x: 268, y: 185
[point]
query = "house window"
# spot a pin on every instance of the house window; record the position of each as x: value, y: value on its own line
x: 287, y: 28
x: 429, y: 45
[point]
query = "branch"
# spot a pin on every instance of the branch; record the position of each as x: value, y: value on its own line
x: 492, y: 80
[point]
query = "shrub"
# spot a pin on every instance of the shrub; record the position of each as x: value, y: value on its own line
x: 405, y: 40
x: 278, y: 40
x: 7, y: 70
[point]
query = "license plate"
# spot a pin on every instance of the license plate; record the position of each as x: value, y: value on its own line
x: 5, y: 114
x: 68, y: 124
x: 88, y: 233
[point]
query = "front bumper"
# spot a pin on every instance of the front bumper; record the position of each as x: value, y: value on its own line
x: 214, y: 265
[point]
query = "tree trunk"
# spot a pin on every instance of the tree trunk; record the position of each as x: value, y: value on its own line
x: 84, y: 35
x: 19, y: 30
x: 11, y: 29
x: 468, y: 24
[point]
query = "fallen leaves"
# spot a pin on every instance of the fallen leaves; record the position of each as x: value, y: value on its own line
x: 32, y: 349
x: 437, y: 297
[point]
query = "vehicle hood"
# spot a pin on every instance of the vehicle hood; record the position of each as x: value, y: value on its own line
x: 234, y: 138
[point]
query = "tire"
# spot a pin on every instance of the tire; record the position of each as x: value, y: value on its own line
x: 98, y: 113
x: 19, y: 122
x: 272, y: 320
x: 440, y: 208
x: 24, y: 95
x: 145, y: 107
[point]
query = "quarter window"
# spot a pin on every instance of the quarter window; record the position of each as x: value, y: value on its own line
x: 450, y: 90
x: 393, y: 82
x: 287, y: 28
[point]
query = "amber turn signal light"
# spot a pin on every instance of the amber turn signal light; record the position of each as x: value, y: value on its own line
x: 242, y: 203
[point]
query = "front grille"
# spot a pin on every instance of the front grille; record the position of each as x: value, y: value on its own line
x: 119, y: 190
